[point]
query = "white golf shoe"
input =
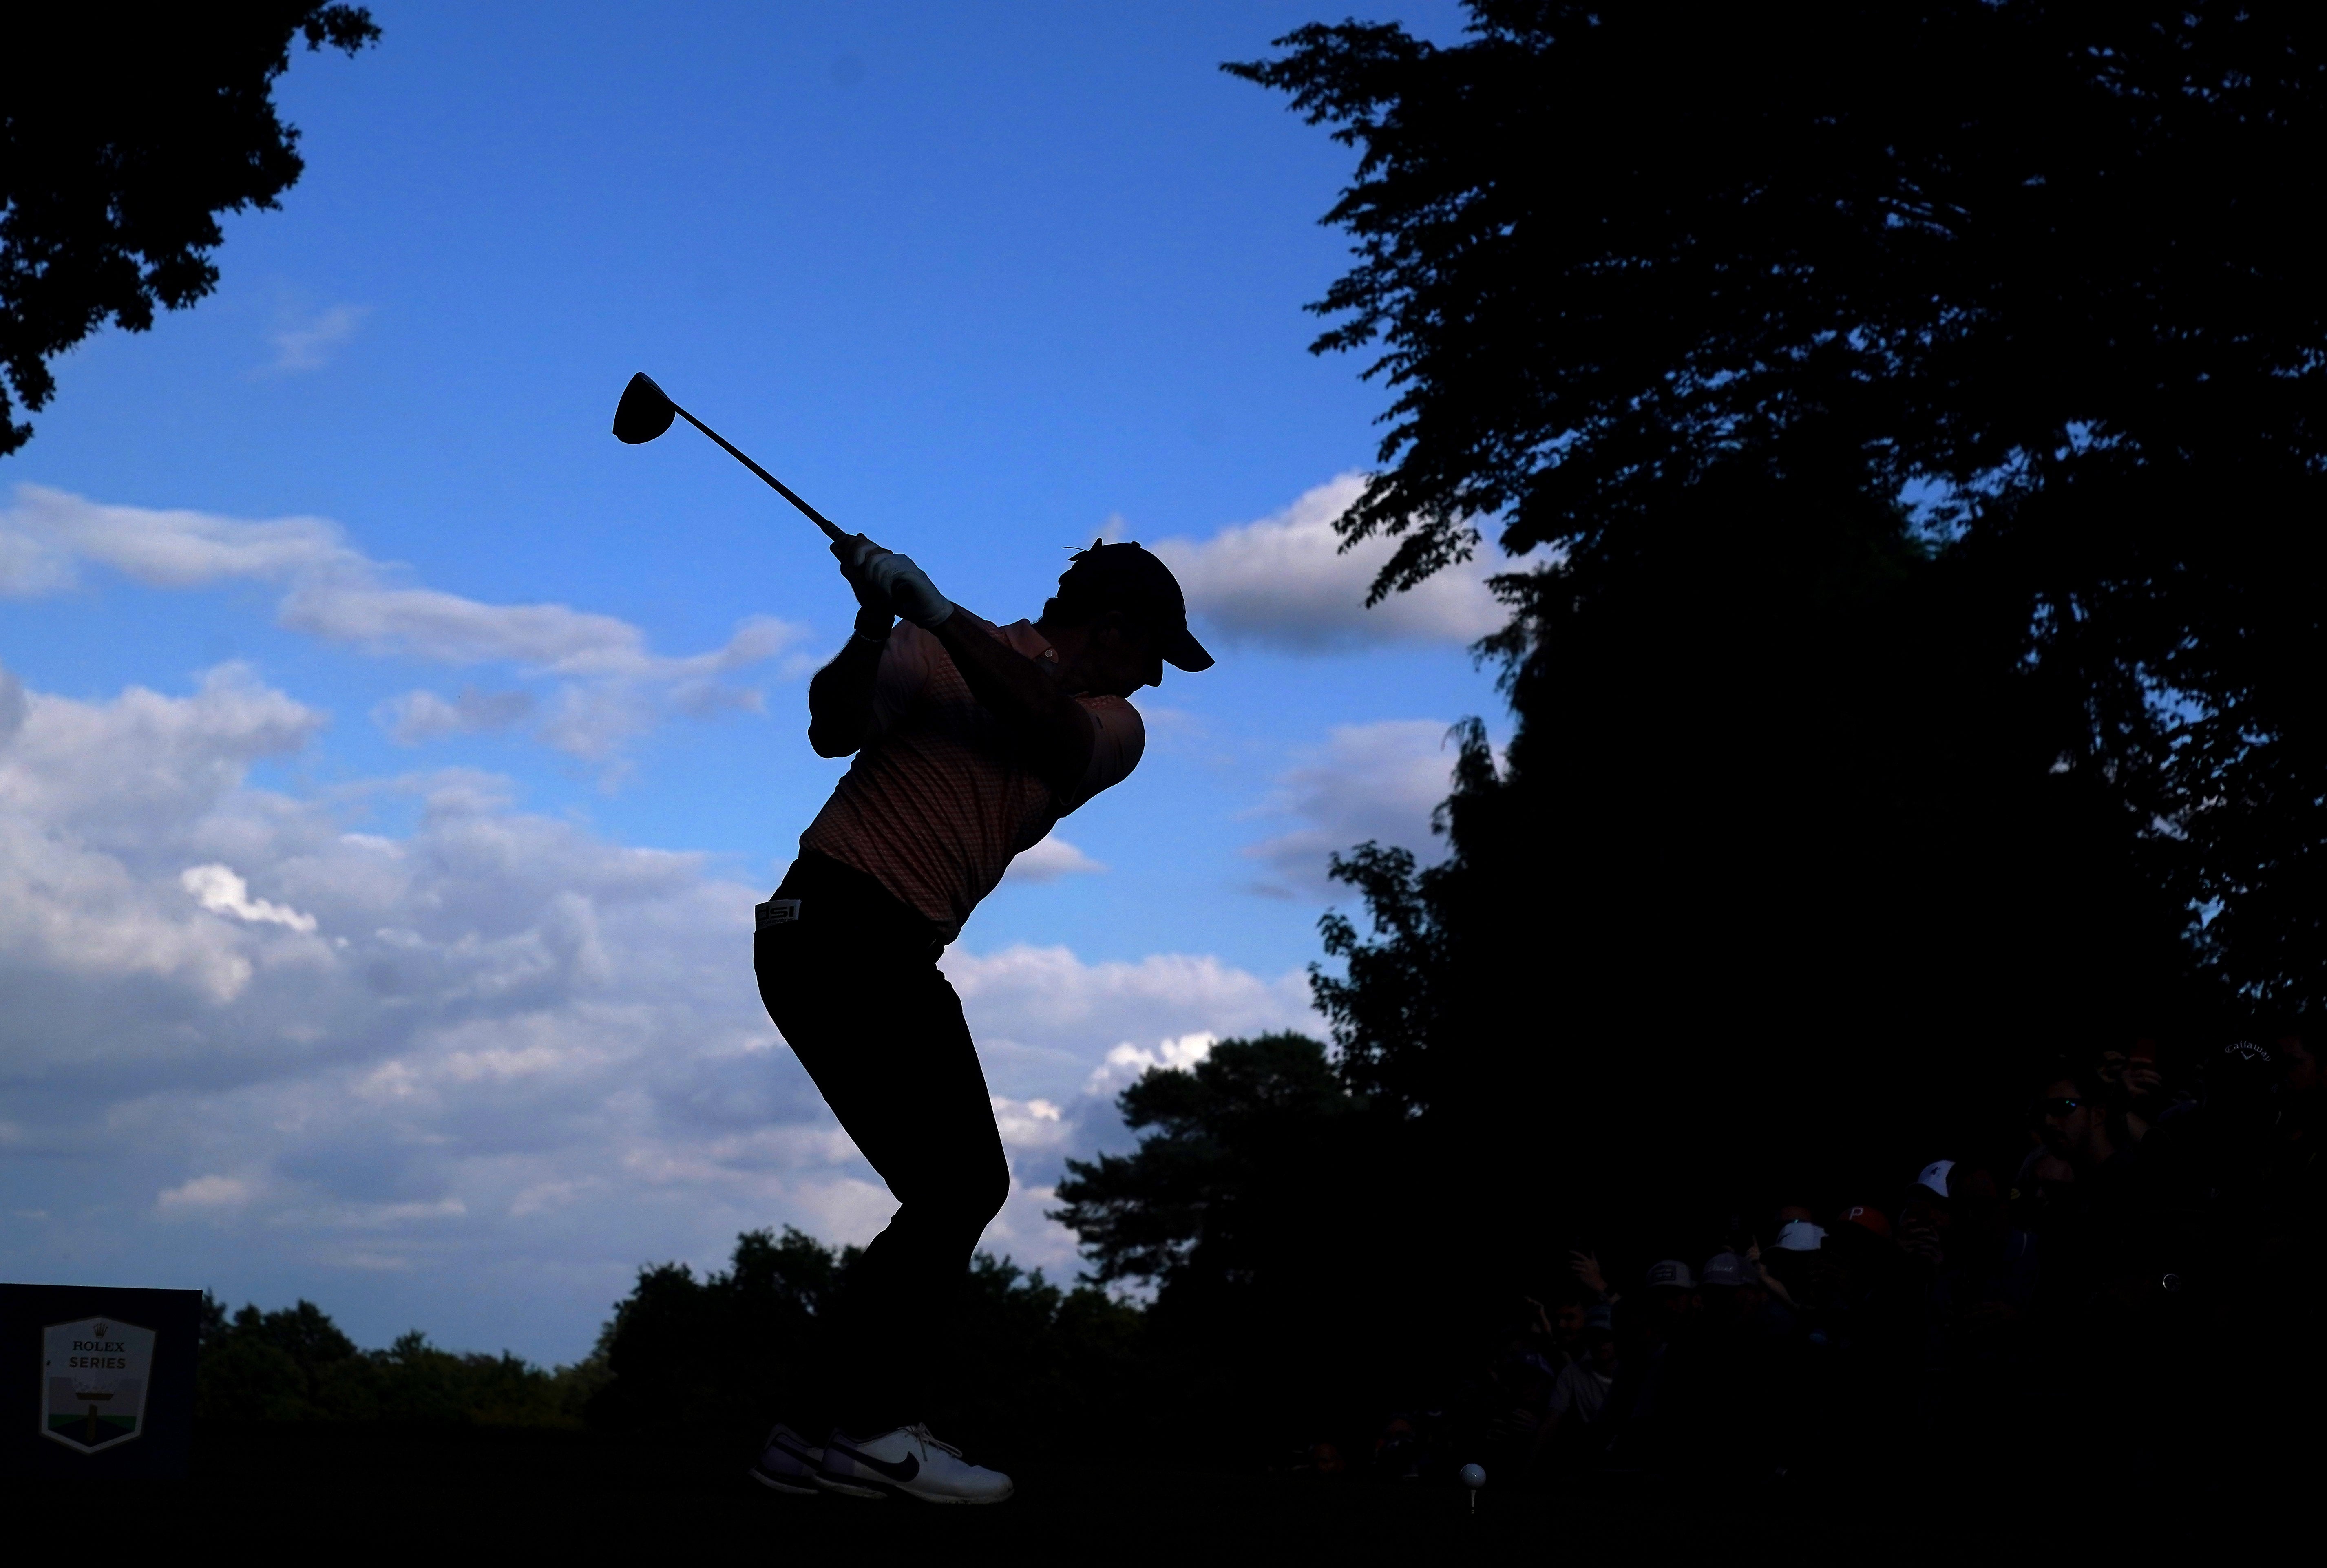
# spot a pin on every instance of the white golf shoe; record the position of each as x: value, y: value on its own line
x: 907, y: 1464
x: 786, y: 1463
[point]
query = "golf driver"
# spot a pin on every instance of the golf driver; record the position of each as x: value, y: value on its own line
x: 645, y: 412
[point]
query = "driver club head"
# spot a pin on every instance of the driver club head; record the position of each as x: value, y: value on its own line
x: 644, y: 413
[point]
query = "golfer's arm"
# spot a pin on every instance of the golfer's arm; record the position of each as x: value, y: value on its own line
x: 1053, y: 726
x: 840, y: 699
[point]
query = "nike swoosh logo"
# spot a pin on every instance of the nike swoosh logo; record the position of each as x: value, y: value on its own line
x: 901, y: 1471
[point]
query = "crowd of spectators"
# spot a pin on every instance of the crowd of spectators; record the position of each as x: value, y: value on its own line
x: 2134, y: 1289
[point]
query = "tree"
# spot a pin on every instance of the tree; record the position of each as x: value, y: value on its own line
x: 1917, y: 412
x: 2041, y: 265
x: 294, y: 1365
x: 718, y: 1357
x: 1277, y: 1215
x: 122, y: 135
x: 1202, y: 1201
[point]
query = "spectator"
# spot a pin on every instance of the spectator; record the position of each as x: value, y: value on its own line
x: 1975, y: 1315
x: 1761, y: 1303
x: 1788, y: 1265
x: 1987, y: 1277
x: 2076, y: 1121
x: 1522, y: 1378
x: 2142, y: 1094
x: 1585, y: 1266
x: 1724, y: 1272
x: 1580, y: 1394
x: 2296, y: 1127
x: 1562, y: 1329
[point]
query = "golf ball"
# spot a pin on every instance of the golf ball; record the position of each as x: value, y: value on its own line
x: 1472, y: 1475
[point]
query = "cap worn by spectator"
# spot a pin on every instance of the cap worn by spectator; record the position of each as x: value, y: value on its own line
x: 1873, y: 1219
x: 1934, y: 1178
x: 1671, y: 1274
x: 1801, y: 1236
x: 1723, y: 1268
x: 1599, y: 1320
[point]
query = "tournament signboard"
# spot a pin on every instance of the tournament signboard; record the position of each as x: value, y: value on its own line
x: 96, y: 1381
x: 94, y: 1373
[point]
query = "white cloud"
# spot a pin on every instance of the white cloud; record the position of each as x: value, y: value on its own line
x: 420, y: 716
x: 1049, y: 861
x: 609, y: 685
x: 1042, y: 1014
x: 446, y: 628
x: 46, y: 532
x: 367, y: 1216
x: 1284, y: 582
x: 1035, y: 1124
x: 1369, y: 781
x: 308, y: 344
x: 93, y: 802
x: 508, y: 1053
x: 218, y: 890
x: 1128, y: 1061
x: 206, y: 1195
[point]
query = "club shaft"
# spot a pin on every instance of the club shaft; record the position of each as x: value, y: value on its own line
x: 819, y: 518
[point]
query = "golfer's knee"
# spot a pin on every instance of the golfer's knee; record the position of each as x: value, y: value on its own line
x: 983, y: 1191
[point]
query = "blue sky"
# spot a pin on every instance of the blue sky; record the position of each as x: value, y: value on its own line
x: 498, y: 734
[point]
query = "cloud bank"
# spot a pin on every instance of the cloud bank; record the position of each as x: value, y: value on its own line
x: 492, y: 1062
x: 607, y: 684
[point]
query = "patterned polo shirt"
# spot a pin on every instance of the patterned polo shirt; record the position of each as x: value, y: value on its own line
x: 938, y: 800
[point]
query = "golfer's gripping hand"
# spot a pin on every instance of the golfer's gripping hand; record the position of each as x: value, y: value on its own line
x: 853, y: 552
x: 891, y: 582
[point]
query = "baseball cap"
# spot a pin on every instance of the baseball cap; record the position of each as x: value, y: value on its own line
x: 1671, y: 1274
x: 1873, y: 1219
x: 1128, y: 578
x: 1934, y: 1178
x: 1801, y: 1236
x: 1723, y: 1268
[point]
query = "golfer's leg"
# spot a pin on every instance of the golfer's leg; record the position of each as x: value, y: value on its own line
x: 814, y: 978
x: 881, y: 1034
x: 931, y: 1136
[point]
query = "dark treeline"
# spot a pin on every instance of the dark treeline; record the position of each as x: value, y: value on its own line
x: 1915, y: 410
x: 700, y: 1359
x: 717, y: 1357
x: 295, y: 1366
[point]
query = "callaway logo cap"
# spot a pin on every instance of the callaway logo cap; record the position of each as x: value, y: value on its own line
x: 1128, y: 578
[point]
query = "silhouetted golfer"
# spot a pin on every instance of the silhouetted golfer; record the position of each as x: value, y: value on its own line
x: 971, y: 742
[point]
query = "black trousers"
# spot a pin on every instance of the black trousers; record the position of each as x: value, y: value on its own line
x: 853, y: 984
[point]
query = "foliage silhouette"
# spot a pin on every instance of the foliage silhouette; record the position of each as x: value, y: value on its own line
x: 1916, y: 410
x: 1205, y: 1193
x: 2043, y: 266
x: 295, y: 1366
x: 122, y: 138
x: 717, y: 1357
x: 1278, y: 1218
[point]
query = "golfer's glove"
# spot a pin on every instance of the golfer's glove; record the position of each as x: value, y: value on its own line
x: 874, y: 616
x: 910, y: 593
